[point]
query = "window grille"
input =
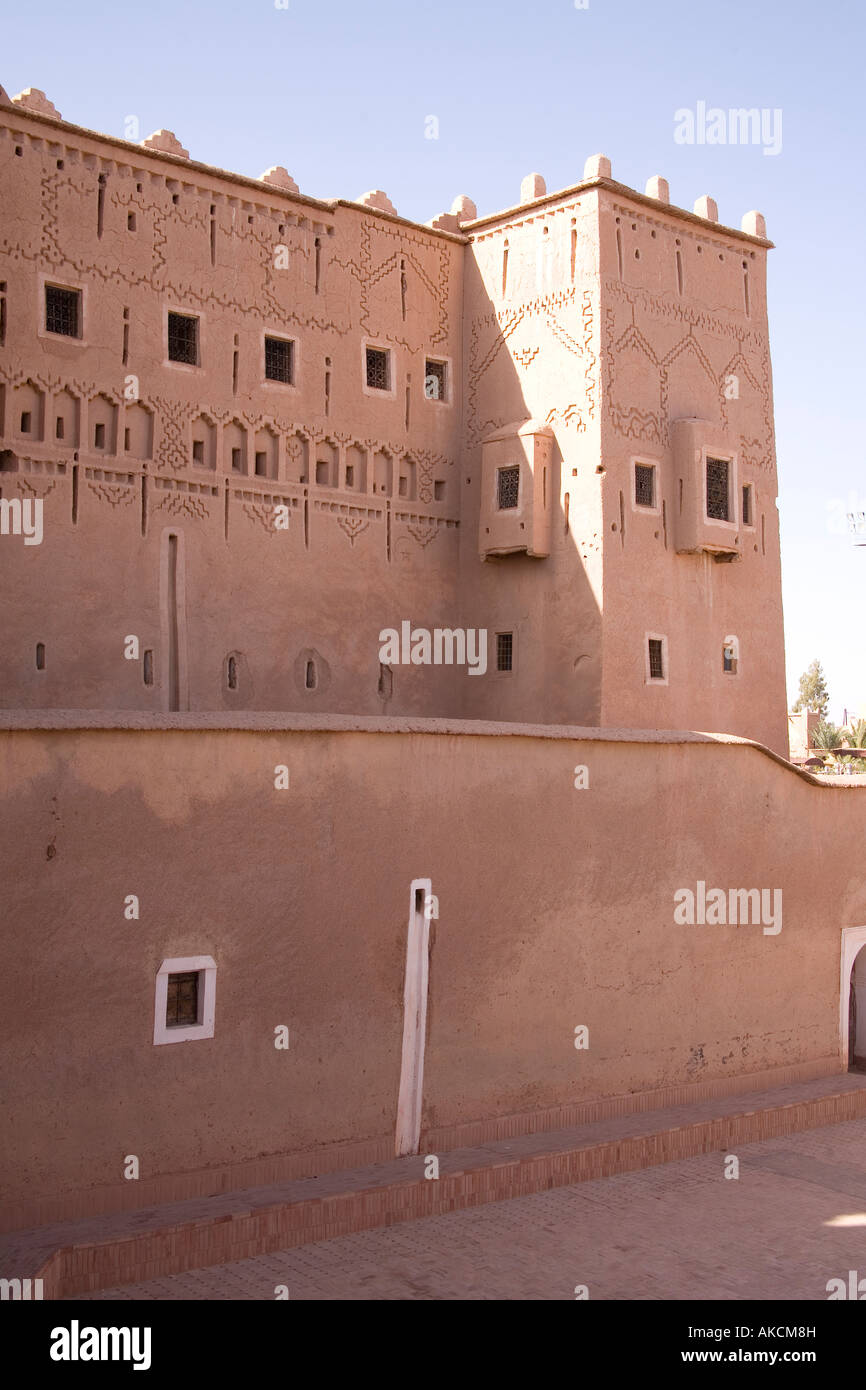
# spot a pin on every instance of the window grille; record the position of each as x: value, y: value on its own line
x: 183, y: 339
x: 181, y: 1008
x: 504, y: 651
x: 656, y: 659
x: 644, y: 485
x: 278, y: 359
x: 378, y: 375
x: 62, y: 311
x: 508, y: 487
x: 718, y: 508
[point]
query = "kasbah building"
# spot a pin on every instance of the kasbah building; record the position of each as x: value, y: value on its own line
x: 390, y: 907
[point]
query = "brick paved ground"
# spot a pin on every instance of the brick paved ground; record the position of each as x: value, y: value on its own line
x: 677, y: 1231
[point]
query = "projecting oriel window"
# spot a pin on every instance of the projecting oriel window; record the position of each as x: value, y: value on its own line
x: 183, y: 339
x: 435, y: 380
x: 378, y: 369
x: 504, y: 651
x: 279, y: 360
x: 644, y: 485
x: 507, y: 487
x: 181, y: 1006
x: 62, y: 311
x: 718, y: 489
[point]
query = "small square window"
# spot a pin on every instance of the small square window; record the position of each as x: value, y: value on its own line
x: 435, y: 380
x: 185, y: 997
x: 718, y: 489
x: 62, y: 311
x: 656, y: 659
x: 507, y: 487
x: 504, y: 651
x: 747, y: 505
x: 644, y: 485
x: 378, y: 369
x: 279, y: 360
x: 181, y: 1007
x: 183, y: 339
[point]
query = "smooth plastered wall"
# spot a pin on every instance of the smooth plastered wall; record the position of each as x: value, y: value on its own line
x: 555, y: 911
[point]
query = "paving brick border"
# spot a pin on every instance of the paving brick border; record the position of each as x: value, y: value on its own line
x: 244, y: 1233
x: 335, y: 1158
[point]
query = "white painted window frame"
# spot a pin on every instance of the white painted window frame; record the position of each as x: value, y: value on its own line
x: 180, y: 965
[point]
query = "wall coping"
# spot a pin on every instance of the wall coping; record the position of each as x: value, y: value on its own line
x: 278, y: 721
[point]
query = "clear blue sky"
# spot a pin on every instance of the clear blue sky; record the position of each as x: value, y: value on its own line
x: 339, y: 93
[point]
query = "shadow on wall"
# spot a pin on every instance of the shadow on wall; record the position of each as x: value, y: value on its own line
x: 531, y: 497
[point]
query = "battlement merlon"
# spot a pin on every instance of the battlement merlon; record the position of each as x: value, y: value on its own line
x: 33, y: 105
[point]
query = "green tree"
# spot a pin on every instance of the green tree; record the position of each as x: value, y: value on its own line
x: 857, y: 734
x: 813, y: 694
x: 826, y: 736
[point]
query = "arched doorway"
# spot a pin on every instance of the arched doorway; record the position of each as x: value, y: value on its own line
x: 852, y: 1011
x: 857, y: 1013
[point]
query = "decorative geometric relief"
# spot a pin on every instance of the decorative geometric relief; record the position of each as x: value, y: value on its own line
x: 115, y: 494
x: 638, y: 424
x: 182, y: 504
x: 745, y: 404
x: 634, y: 392
x: 685, y: 393
x: 755, y: 453
x: 262, y: 515
x: 571, y: 415
x: 172, y: 449
x: 428, y: 463
x: 352, y: 526
x: 424, y: 534
x: 524, y: 356
x: 28, y: 487
x: 590, y: 375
